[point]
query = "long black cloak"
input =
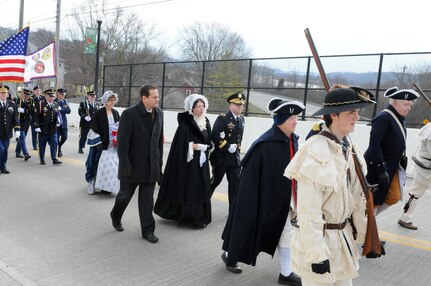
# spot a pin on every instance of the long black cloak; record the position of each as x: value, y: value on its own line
x: 185, y: 191
x: 261, y: 205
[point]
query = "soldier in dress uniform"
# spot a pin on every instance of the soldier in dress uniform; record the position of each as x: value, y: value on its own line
x: 227, y: 136
x: 63, y: 109
x: 25, y: 110
x: 86, y: 110
x: 385, y: 156
x: 46, y: 126
x: 8, y: 121
x: 37, y: 98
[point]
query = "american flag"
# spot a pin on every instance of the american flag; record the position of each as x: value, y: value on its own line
x: 12, y: 57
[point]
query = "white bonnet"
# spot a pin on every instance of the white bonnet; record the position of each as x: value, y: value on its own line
x: 107, y: 95
x: 190, y: 100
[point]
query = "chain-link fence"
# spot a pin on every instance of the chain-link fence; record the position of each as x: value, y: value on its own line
x: 260, y: 79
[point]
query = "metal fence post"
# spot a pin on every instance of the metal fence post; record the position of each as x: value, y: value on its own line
x: 306, y: 87
x: 203, y: 78
x: 163, y: 85
x: 130, y: 85
x: 248, y: 86
x: 379, y: 76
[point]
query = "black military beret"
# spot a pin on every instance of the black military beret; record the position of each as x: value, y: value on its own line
x: 36, y: 87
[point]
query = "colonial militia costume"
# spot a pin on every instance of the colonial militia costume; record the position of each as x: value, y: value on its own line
x: 62, y: 128
x: 227, y: 136
x: 46, y: 118
x: 185, y: 191
x: 25, y: 108
x: 86, y: 111
x: 260, y: 208
x: 385, y: 156
x: 329, y: 193
x: 421, y: 179
x: 8, y: 123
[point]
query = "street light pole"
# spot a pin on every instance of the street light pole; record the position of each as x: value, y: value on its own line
x: 57, y: 43
x: 96, y: 79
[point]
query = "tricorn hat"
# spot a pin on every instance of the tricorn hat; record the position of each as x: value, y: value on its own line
x: 237, y: 98
x: 405, y: 94
x: 343, y: 99
x: 281, y: 109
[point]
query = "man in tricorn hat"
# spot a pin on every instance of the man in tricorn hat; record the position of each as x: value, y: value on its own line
x: 86, y: 111
x: 258, y: 216
x: 323, y: 247
x: 385, y: 156
x: 46, y: 126
x: 8, y: 123
x: 227, y: 136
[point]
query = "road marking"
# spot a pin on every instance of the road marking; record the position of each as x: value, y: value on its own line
x: 392, y: 237
x: 15, y: 275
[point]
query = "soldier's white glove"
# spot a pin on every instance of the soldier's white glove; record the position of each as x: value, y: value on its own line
x: 232, y: 148
x: 202, y: 147
x: 59, y: 108
x: 37, y: 130
x: 20, y: 110
x: 58, y: 125
x: 87, y: 118
x: 17, y: 134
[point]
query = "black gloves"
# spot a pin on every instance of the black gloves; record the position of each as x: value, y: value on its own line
x: 375, y: 255
x: 321, y: 268
x: 383, y: 179
x: 126, y: 172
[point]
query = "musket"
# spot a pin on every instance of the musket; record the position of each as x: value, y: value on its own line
x: 317, y: 60
x: 372, y: 247
x: 421, y: 92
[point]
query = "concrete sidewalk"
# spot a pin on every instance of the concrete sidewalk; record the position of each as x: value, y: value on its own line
x: 53, y: 233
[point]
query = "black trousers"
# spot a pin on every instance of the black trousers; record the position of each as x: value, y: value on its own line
x: 83, y: 137
x: 145, y: 204
x: 232, y: 175
x: 61, y: 136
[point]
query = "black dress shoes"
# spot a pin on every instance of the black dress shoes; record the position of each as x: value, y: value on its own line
x: 116, y: 224
x: 42, y: 162
x: 19, y: 156
x: 26, y: 157
x: 292, y: 279
x: 60, y: 154
x: 56, y: 162
x: 80, y: 151
x: 5, y: 171
x: 232, y: 268
x: 151, y: 238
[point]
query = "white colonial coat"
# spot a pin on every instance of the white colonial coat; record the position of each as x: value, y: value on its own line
x: 326, y: 196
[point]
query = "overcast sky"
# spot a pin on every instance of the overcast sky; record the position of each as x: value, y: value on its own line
x: 274, y: 28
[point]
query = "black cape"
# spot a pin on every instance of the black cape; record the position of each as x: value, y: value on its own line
x: 261, y: 205
x: 185, y: 191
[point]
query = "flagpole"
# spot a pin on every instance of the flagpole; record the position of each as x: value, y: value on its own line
x: 96, y: 79
x: 57, y: 42
x: 21, y: 15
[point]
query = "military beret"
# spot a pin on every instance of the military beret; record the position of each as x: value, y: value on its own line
x: 405, y: 94
x: 36, y: 87
x: 237, y: 98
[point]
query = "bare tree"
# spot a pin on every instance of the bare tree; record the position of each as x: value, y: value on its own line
x: 200, y: 42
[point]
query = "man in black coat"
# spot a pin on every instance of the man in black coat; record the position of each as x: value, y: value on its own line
x: 86, y: 111
x: 227, y: 136
x: 140, y: 154
x: 8, y: 123
x: 387, y: 148
x: 261, y: 206
x: 25, y: 110
x: 37, y: 98
x: 63, y: 109
x: 46, y: 125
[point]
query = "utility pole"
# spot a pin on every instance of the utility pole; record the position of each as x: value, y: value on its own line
x: 404, y: 74
x: 96, y: 79
x: 57, y: 43
x: 21, y: 15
